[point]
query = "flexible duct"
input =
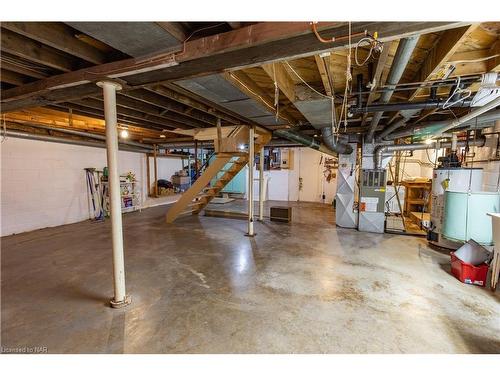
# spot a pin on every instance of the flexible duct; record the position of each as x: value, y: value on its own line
x: 333, y: 144
x: 380, y: 150
x: 330, y: 147
x: 403, y: 54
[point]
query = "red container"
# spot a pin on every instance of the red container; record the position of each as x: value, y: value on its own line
x: 467, y: 273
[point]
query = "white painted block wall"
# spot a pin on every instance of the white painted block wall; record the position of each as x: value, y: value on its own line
x: 491, y: 170
x: 43, y: 184
x: 166, y: 168
x: 283, y: 185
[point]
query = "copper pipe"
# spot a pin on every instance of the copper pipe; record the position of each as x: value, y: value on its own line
x: 335, y: 39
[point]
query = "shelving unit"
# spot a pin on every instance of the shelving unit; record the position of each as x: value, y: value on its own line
x: 417, y: 198
x: 130, y: 195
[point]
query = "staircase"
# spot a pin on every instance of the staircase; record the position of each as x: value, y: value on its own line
x: 201, y: 192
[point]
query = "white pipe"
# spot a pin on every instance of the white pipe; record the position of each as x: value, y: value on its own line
x: 261, y: 185
x: 469, y: 116
x: 454, y: 142
x: 109, y: 93
x: 380, y: 150
x: 251, y: 158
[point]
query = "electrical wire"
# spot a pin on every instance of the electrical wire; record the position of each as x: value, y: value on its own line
x: 257, y: 95
x: 473, y: 61
x: 304, y: 82
x: 195, y: 32
x: 372, y: 45
x: 457, y: 91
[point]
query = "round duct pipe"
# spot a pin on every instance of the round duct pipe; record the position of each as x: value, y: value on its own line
x: 330, y: 146
x: 69, y: 141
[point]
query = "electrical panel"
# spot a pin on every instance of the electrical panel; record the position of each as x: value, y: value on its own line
x: 286, y: 159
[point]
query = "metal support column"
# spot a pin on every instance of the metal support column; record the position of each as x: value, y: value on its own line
x: 195, y: 159
x: 155, y: 162
x: 251, y: 159
x: 261, y: 185
x: 120, y: 299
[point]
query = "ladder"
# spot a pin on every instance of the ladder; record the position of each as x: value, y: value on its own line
x: 199, y: 195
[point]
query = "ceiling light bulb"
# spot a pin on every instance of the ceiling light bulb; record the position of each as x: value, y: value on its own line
x: 124, y: 133
x: 428, y: 141
x: 162, y: 135
x: 242, y: 147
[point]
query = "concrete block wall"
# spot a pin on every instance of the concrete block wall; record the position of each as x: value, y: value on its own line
x: 491, y: 169
x: 284, y: 184
x: 166, y: 168
x: 43, y: 184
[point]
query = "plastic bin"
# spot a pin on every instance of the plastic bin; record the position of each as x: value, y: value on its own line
x: 467, y: 273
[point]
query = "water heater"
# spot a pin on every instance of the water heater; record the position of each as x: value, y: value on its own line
x: 443, y: 179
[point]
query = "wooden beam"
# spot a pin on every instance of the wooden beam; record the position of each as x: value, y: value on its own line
x: 235, y: 25
x: 494, y: 64
x: 320, y: 63
x: 12, y: 78
x: 189, y: 98
x: 447, y: 45
x: 248, y: 46
x: 377, y: 77
x: 28, y: 49
x: 152, y: 97
x: 24, y: 70
x: 285, y: 83
x: 175, y: 29
x: 151, y: 117
x: 122, y: 119
x: 59, y: 36
x: 128, y: 102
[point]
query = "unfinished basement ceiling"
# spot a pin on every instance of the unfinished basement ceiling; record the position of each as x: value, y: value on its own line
x: 133, y: 38
x: 218, y: 90
x: 232, y: 83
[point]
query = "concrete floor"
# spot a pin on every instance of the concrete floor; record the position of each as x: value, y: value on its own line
x: 200, y: 286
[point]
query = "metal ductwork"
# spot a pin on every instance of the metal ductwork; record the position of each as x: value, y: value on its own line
x: 318, y: 111
x: 304, y: 140
x: 398, y: 124
x: 380, y: 150
x: 403, y: 54
x: 332, y: 143
x: 437, y: 128
x: 69, y: 141
x: 84, y: 134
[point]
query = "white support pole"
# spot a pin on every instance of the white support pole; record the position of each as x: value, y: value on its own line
x: 251, y: 159
x: 120, y: 299
x: 261, y: 184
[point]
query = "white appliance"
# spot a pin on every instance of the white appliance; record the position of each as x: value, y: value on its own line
x: 456, y: 179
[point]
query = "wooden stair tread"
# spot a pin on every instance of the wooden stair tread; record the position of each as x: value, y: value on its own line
x: 199, y: 195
